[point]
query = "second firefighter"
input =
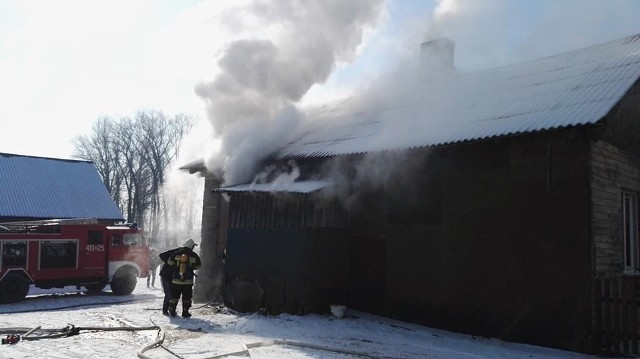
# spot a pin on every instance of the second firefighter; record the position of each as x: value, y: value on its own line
x: 183, y: 261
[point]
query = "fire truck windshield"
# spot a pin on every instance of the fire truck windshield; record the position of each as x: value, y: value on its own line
x: 132, y: 239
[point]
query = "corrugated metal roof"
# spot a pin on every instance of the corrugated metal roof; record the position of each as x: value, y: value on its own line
x: 286, y: 186
x: 40, y: 187
x: 574, y: 88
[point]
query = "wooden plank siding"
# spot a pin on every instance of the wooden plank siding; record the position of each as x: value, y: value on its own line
x: 615, y: 320
x: 266, y: 210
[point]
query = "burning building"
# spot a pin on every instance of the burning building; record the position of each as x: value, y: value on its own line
x: 501, y: 203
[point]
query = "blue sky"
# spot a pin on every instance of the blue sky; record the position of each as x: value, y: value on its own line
x: 64, y: 63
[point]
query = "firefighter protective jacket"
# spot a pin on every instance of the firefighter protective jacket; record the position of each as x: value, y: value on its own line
x: 183, y: 262
x: 166, y: 272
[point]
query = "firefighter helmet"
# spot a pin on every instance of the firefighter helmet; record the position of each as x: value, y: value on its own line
x: 189, y: 243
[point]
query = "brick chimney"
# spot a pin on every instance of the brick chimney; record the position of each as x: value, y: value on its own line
x: 436, y: 57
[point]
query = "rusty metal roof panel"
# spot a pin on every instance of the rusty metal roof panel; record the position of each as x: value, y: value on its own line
x: 574, y: 88
x: 37, y: 187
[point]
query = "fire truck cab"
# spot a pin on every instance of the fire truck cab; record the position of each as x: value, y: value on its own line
x: 60, y: 253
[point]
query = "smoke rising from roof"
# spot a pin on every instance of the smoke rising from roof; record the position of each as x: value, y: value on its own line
x: 285, y: 47
x: 483, y: 36
x: 251, y: 103
x: 491, y: 33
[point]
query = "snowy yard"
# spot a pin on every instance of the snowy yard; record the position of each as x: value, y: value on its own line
x: 212, y: 332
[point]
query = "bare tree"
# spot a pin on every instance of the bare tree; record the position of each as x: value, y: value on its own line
x: 132, y: 157
x: 103, y: 149
x: 160, y: 138
x: 137, y: 178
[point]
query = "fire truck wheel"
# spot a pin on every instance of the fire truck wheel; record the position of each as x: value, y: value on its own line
x: 96, y: 287
x: 13, y: 288
x: 124, y: 281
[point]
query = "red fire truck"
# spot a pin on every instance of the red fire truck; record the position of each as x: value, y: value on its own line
x: 82, y: 253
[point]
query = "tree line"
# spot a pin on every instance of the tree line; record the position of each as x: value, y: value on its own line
x: 133, y: 156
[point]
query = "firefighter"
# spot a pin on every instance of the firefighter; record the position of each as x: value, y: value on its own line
x: 166, y: 275
x: 183, y: 262
x: 154, y: 262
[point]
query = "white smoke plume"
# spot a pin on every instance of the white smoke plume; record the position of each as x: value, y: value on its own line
x: 251, y: 102
x: 487, y: 34
x: 283, y: 48
x: 490, y: 33
x: 479, y: 28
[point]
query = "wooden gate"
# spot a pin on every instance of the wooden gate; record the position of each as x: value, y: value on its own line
x: 615, y: 319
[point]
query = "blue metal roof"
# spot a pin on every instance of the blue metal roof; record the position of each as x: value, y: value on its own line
x: 574, y: 88
x: 38, y: 187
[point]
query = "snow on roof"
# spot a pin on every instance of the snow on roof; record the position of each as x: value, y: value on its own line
x: 574, y: 88
x: 38, y: 187
x: 288, y: 186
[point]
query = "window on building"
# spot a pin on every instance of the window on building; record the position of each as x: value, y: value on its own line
x: 630, y: 231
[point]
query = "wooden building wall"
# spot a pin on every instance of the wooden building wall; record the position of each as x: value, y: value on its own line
x: 489, y: 238
x: 612, y: 171
x: 497, y: 238
x: 614, y: 168
x: 497, y: 243
x: 286, y: 253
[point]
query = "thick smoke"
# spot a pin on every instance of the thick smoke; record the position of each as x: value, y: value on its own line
x: 251, y: 102
x: 286, y: 47
x: 490, y: 33
x: 479, y: 28
x: 487, y: 34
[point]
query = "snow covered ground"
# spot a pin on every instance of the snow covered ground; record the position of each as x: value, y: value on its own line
x: 212, y: 332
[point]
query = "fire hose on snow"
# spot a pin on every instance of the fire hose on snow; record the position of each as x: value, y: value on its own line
x: 15, y: 335
x: 246, y: 347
